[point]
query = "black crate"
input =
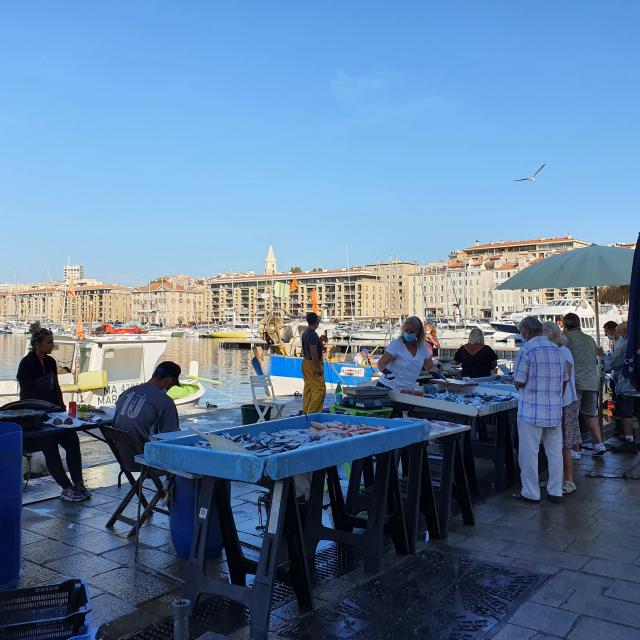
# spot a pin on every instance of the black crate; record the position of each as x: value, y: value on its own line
x: 64, y: 604
x: 73, y: 626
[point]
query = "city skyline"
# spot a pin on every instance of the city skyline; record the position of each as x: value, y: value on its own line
x: 258, y: 267
x: 191, y: 137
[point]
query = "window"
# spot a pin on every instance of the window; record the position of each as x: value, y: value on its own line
x: 123, y: 362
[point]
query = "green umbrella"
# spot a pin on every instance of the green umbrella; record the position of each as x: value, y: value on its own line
x: 593, y: 266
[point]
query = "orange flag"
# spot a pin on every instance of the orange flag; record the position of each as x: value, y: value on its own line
x: 294, y: 285
x: 314, y: 301
x: 71, y: 293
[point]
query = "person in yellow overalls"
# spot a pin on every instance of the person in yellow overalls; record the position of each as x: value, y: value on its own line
x: 312, y: 367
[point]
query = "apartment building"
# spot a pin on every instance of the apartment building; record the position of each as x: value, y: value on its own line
x: 101, y: 303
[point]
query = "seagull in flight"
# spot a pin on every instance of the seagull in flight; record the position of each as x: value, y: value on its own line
x: 531, y: 178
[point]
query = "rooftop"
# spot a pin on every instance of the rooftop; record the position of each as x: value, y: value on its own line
x: 523, y: 243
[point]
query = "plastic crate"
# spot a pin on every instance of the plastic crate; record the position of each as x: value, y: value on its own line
x: 55, y: 612
x: 72, y: 627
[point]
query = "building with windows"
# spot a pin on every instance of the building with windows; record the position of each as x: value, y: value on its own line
x: 73, y: 273
x: 170, y: 302
x: 466, y: 284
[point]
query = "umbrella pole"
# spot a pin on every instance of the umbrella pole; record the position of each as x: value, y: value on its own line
x: 600, y: 368
x: 597, y: 310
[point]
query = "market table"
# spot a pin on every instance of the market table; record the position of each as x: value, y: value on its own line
x: 86, y: 425
x: 287, y: 547
x: 420, y: 494
x: 501, y: 413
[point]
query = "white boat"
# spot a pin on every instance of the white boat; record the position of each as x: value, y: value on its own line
x: 97, y: 369
x: 459, y: 329
x: 238, y: 331
x: 365, y: 334
x: 555, y: 309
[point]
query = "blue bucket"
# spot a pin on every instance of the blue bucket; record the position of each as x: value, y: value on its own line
x: 10, y: 504
x: 182, y: 519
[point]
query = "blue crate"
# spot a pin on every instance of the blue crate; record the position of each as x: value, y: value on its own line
x: 179, y: 454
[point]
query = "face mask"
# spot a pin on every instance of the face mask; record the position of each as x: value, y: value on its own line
x: 409, y: 337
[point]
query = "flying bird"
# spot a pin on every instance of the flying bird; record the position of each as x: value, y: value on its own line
x: 531, y: 178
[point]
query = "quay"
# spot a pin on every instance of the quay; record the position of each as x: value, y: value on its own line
x: 534, y: 572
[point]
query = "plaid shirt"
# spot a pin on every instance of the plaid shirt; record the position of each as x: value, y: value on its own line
x: 540, y: 367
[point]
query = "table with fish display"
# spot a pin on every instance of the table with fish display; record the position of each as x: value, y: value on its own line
x: 294, y: 458
x: 491, y: 414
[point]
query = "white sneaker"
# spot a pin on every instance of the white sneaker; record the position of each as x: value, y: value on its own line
x: 575, y: 455
x: 568, y: 487
x: 599, y: 449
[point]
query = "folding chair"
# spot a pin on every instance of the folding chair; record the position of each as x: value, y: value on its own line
x: 124, y: 451
x: 268, y: 400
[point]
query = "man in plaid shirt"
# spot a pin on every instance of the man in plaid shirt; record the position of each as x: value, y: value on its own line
x: 540, y: 375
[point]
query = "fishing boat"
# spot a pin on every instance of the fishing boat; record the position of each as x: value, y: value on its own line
x: 95, y: 370
x: 286, y: 374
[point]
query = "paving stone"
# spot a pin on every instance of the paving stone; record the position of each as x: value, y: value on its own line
x: 76, y: 512
x: 626, y: 541
x: 28, y: 537
x: 107, y: 607
x: 35, y: 575
x: 613, y: 569
x: 154, y: 536
x: 477, y: 543
x: 98, y: 542
x: 560, y: 587
x: 514, y: 632
x: 542, y: 618
x: 153, y: 558
x: 60, y: 529
x: 31, y: 516
x: 47, y: 551
x: 547, y: 556
x: 603, y: 608
x: 629, y: 591
x: 82, y: 565
x: 593, y: 629
x: 525, y: 524
x: 131, y: 584
x: 606, y: 552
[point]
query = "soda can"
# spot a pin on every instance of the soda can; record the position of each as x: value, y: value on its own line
x: 72, y: 409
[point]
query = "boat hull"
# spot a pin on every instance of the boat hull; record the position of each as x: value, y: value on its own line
x: 286, y: 374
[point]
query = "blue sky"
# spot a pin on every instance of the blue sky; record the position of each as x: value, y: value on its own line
x: 161, y: 137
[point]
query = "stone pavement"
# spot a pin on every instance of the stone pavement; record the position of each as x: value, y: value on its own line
x: 586, y: 551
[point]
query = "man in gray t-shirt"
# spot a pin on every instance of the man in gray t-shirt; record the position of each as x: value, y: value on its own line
x: 146, y: 409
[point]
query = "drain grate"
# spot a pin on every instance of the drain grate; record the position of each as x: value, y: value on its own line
x: 224, y: 616
x: 433, y: 595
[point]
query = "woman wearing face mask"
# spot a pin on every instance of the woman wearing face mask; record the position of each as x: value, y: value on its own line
x: 405, y: 357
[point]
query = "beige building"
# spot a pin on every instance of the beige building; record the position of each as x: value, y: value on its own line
x: 466, y: 284
x: 171, y: 302
x: 101, y: 303
x: 338, y: 293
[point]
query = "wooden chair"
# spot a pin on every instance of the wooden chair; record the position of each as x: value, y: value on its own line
x: 125, y: 451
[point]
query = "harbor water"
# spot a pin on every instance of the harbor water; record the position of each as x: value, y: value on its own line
x: 229, y: 366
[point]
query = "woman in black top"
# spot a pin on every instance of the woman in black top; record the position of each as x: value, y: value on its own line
x: 477, y: 359
x: 38, y: 378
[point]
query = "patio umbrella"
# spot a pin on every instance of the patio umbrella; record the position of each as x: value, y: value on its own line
x: 592, y: 267
x: 632, y: 357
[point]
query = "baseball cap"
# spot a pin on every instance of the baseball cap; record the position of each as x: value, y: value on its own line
x: 168, y: 369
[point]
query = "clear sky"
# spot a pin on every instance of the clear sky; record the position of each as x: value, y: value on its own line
x: 143, y: 138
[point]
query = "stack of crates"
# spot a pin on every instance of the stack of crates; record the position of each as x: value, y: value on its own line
x: 55, y: 612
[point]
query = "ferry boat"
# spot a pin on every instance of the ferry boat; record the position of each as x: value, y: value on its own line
x: 97, y: 369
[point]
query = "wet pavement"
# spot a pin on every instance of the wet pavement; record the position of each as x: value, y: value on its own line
x: 569, y: 570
